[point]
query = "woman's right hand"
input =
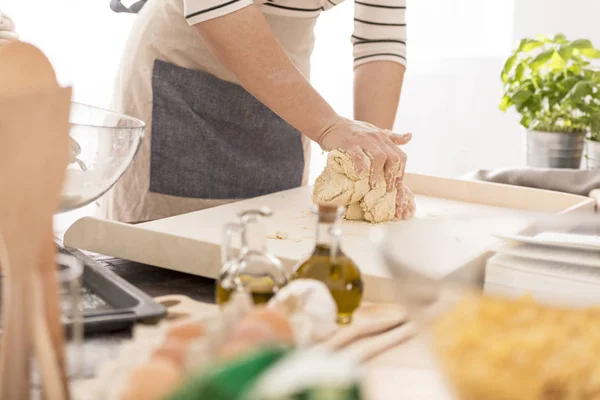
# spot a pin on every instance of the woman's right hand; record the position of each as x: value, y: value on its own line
x: 361, y: 140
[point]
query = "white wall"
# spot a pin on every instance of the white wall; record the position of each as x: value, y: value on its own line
x: 82, y: 38
x: 452, y: 87
x: 574, y: 18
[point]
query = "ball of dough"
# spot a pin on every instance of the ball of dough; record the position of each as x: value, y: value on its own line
x: 341, y: 185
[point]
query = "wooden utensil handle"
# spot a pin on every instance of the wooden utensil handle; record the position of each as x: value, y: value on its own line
x: 52, y: 309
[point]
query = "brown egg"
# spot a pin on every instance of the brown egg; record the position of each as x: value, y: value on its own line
x: 277, y: 320
x: 235, y: 348
x: 253, y: 330
x: 186, y: 332
x: 172, y: 350
x: 153, y: 381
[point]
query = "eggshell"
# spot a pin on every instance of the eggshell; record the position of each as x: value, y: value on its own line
x: 274, y: 318
x: 152, y: 381
x: 186, y: 332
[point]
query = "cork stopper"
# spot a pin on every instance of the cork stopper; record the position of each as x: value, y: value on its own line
x: 329, y: 213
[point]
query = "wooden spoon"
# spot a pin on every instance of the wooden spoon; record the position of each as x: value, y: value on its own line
x: 34, y: 133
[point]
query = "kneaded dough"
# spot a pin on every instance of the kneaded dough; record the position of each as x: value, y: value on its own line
x: 341, y: 184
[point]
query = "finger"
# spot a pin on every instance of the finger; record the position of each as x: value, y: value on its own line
x: 378, y: 158
x: 392, y: 166
x: 399, y: 182
x: 359, y: 158
x: 400, y: 139
x: 401, y: 167
x: 402, y: 206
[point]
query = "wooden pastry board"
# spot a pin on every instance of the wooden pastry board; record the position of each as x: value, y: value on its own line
x: 191, y: 242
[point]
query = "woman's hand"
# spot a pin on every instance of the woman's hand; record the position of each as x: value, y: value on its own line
x: 361, y: 140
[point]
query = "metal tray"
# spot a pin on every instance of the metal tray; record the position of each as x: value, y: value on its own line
x: 110, y: 303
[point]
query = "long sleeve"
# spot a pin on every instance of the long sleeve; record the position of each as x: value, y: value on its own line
x: 197, y: 11
x: 379, y: 31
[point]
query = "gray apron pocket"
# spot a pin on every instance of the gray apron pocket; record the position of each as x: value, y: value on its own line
x: 211, y: 139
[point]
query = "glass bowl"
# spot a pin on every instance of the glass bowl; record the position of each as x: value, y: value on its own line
x: 103, y: 146
x: 513, y: 313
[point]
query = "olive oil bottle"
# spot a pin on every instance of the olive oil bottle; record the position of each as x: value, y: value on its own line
x: 251, y: 269
x: 330, y: 265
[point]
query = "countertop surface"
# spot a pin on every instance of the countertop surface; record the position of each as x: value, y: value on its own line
x: 155, y: 282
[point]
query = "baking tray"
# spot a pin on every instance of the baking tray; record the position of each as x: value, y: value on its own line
x: 110, y: 303
x: 191, y: 242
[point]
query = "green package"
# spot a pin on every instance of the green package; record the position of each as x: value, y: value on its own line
x: 231, y: 380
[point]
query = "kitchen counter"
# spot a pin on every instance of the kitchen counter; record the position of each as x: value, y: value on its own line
x: 405, y: 370
x: 155, y: 282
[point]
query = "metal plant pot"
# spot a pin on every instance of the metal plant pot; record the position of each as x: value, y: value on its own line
x: 592, y: 154
x: 554, y: 150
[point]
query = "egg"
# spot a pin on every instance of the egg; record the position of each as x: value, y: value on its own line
x: 172, y: 350
x: 235, y: 348
x: 254, y: 331
x: 152, y: 381
x: 277, y: 320
x: 186, y: 332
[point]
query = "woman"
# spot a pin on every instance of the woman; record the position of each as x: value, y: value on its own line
x: 223, y: 86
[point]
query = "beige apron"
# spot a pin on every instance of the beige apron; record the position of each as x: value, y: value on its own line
x: 161, y: 33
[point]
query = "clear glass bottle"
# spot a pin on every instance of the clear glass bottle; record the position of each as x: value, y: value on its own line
x: 330, y: 265
x: 252, y: 268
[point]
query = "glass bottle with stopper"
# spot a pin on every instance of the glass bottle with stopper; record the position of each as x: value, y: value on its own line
x: 251, y: 268
x: 330, y: 265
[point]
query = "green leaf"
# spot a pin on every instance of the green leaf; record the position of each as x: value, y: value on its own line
x: 580, y: 90
x: 533, y: 105
x: 525, y: 121
x: 510, y: 61
x: 505, y: 103
x: 570, y: 82
x: 591, y: 53
x: 557, y: 62
x: 596, y: 76
x: 519, y: 72
x: 543, y: 38
x: 541, y: 59
x: 521, y: 97
x: 527, y: 45
x: 565, y: 52
x: 560, y: 38
x: 575, y: 69
x: 582, y: 44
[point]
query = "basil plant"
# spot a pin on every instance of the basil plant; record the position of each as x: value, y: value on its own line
x: 554, y: 85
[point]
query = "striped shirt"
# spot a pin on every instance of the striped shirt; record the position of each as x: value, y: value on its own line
x: 379, y: 25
